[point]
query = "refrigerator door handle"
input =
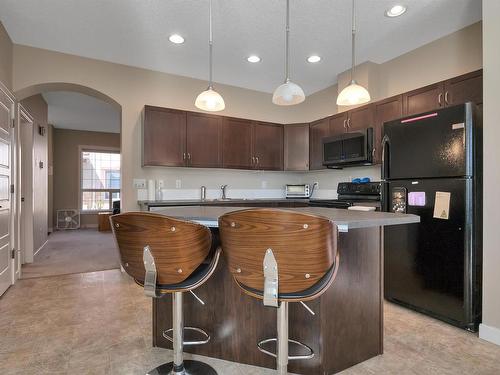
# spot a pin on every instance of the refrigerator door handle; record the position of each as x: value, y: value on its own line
x: 385, y: 157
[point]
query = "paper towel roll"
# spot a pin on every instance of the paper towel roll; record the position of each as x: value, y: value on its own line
x: 151, y: 190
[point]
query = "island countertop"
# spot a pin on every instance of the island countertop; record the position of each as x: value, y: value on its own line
x: 344, y: 219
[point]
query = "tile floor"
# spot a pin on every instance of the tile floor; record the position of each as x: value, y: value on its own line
x: 99, y: 323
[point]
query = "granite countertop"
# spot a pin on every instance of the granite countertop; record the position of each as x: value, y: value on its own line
x: 344, y: 219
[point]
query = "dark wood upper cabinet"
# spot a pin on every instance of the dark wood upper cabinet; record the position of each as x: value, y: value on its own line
x: 319, y: 130
x: 424, y: 99
x: 338, y: 123
x: 237, y: 143
x: 267, y: 142
x: 164, y: 137
x: 360, y: 118
x: 466, y: 88
x: 385, y: 110
x: 203, y: 140
x: 296, y: 147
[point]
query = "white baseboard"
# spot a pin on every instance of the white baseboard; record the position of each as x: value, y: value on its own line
x: 88, y: 226
x: 491, y: 334
x: 40, y: 248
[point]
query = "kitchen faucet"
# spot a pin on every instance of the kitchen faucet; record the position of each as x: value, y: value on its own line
x: 223, y: 188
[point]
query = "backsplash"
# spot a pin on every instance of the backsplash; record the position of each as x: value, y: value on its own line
x: 183, y: 183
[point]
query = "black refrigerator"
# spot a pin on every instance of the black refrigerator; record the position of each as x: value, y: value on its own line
x: 432, y: 167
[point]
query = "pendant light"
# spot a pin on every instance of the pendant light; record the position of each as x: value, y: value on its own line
x: 210, y: 100
x: 354, y: 93
x: 288, y: 93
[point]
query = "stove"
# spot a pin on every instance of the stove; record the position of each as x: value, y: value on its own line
x: 352, y: 194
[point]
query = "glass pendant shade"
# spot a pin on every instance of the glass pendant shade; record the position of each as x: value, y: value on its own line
x: 353, y: 94
x: 210, y: 100
x: 288, y: 93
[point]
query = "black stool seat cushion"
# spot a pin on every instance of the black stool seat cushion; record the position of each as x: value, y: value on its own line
x: 304, y: 294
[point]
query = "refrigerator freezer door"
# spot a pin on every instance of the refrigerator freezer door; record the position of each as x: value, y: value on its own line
x: 425, y: 264
x: 433, y: 145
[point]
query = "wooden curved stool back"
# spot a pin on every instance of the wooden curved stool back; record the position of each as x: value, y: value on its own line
x: 178, y: 247
x: 304, y: 246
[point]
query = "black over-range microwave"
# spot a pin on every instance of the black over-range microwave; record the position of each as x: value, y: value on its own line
x: 348, y: 149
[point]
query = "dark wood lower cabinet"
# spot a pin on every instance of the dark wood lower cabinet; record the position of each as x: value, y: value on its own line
x: 347, y: 328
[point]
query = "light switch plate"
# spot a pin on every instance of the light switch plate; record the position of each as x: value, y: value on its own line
x: 178, y: 184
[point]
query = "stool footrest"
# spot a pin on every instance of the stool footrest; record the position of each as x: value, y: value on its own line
x: 308, y: 355
x: 199, y: 330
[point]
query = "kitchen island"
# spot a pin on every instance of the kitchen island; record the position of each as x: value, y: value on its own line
x: 347, y: 327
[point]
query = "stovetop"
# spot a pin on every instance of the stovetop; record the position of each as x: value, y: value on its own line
x: 350, y: 194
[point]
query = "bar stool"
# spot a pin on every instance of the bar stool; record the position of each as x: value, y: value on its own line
x: 166, y: 255
x: 280, y: 256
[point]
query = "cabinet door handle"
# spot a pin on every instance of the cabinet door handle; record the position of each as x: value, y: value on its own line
x: 253, y: 160
x: 345, y: 124
x: 189, y: 156
x: 349, y: 122
x: 257, y: 160
x: 446, y: 97
x: 183, y: 156
x: 440, y: 99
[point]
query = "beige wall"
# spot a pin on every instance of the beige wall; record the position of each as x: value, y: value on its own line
x: 491, y: 214
x: 37, y: 107
x: 5, y: 58
x: 66, y: 166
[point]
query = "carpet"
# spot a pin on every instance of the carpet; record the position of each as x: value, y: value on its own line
x: 74, y: 251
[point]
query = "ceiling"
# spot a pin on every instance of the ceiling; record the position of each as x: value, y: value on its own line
x: 75, y: 111
x: 135, y: 32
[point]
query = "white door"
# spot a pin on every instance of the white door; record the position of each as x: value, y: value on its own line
x: 6, y: 121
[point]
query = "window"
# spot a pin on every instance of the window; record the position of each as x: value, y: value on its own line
x: 100, y: 180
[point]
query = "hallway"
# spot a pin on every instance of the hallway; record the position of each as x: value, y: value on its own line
x: 74, y: 251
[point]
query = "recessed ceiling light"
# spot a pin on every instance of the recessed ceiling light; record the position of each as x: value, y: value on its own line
x: 176, y: 39
x: 253, y: 59
x: 314, y: 59
x: 396, y: 11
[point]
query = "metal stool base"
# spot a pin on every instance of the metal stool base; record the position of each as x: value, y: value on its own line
x: 190, y: 368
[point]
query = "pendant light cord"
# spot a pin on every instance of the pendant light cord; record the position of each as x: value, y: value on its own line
x: 353, y: 36
x: 287, y: 47
x: 210, y: 44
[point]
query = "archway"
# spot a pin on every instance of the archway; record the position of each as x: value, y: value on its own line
x: 84, y: 147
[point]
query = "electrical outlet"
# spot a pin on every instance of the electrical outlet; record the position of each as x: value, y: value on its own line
x: 263, y: 184
x: 178, y: 184
x: 161, y: 184
x: 139, y: 183
x: 317, y: 184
